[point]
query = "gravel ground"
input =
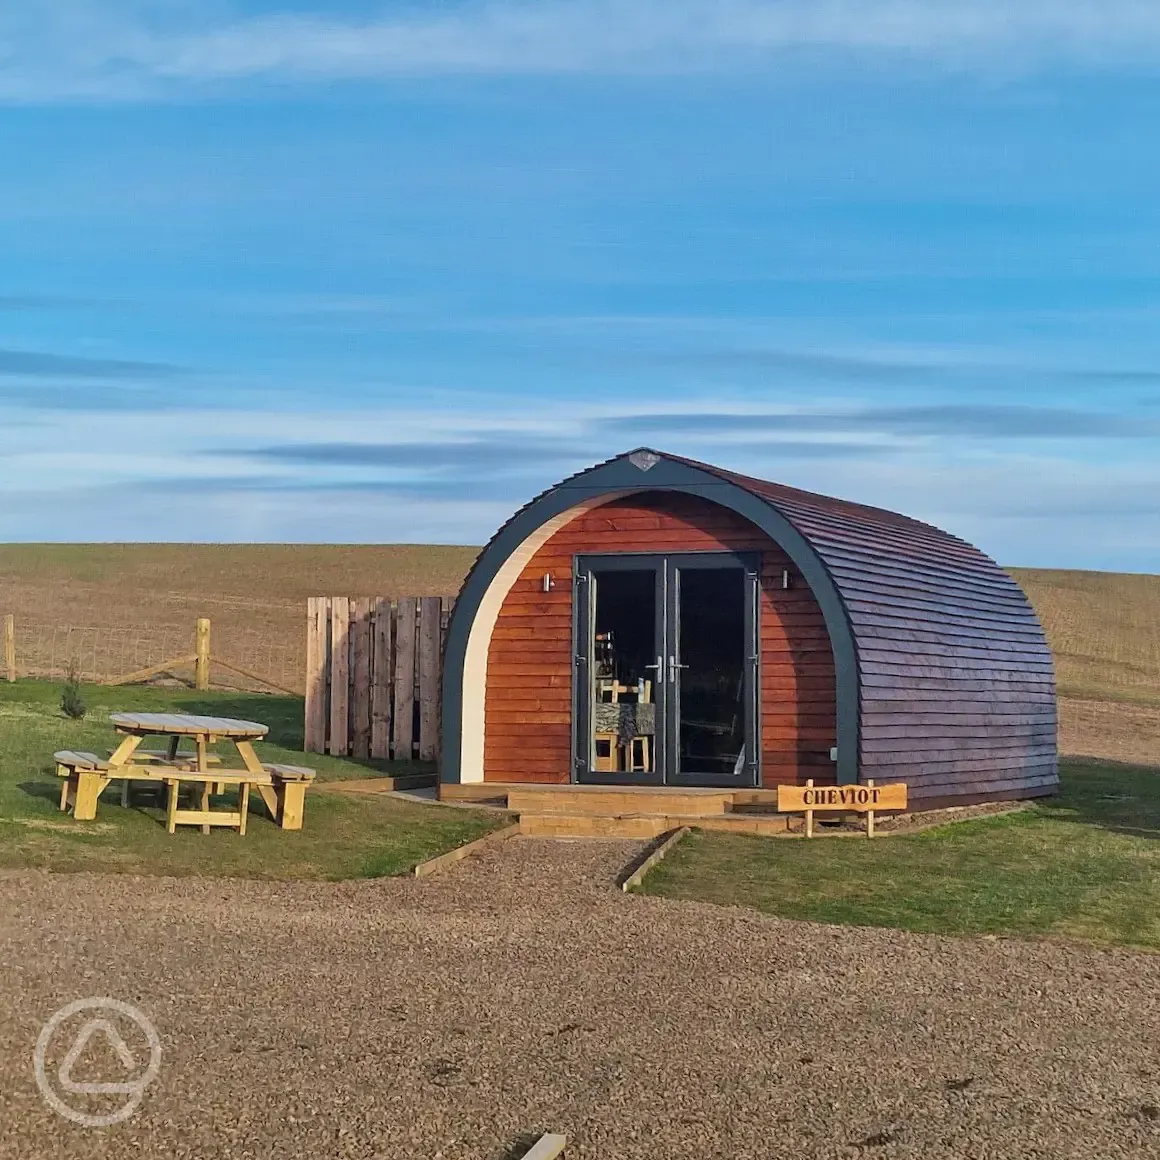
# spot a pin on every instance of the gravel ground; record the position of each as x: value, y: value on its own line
x: 450, y: 1017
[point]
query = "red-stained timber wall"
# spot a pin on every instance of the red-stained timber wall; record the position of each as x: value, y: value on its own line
x: 528, y: 702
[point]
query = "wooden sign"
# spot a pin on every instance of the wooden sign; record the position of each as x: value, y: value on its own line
x: 864, y: 798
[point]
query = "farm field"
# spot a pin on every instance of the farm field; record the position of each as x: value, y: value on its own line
x: 343, y: 836
x: 134, y: 605
x: 141, y: 600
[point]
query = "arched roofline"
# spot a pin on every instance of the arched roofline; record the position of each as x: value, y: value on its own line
x: 604, y: 483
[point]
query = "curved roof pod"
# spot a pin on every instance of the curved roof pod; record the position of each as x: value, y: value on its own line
x: 944, y: 678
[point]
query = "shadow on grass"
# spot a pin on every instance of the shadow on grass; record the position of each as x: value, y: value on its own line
x: 41, y: 790
x: 1115, y: 796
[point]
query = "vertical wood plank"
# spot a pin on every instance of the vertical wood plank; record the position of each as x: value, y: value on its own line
x: 10, y: 645
x: 445, y: 604
x: 360, y: 677
x: 430, y: 609
x: 405, y: 679
x: 314, y: 731
x: 339, y: 675
x: 383, y: 641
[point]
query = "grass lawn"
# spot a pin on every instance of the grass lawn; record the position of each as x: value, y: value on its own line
x: 1085, y: 864
x: 343, y: 836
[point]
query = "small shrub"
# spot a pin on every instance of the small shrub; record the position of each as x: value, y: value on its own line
x: 72, y: 703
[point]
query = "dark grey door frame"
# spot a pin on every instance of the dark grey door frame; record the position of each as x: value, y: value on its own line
x: 583, y: 610
x: 667, y: 566
x: 750, y: 565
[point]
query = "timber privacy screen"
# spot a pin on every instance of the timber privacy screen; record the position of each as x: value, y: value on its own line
x: 373, y: 671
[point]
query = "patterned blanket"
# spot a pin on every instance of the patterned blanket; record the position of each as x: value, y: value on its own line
x: 626, y: 720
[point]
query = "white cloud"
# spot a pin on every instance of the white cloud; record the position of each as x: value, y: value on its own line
x: 1031, y: 506
x: 122, y: 48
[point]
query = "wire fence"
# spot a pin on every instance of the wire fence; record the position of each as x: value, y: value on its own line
x: 239, y: 660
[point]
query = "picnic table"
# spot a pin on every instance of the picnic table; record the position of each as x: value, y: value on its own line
x: 282, y: 787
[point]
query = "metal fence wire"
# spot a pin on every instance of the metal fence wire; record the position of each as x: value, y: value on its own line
x: 107, y: 654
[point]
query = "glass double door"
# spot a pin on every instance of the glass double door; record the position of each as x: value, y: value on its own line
x: 666, y: 669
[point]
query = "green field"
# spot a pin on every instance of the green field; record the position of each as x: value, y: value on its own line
x: 1085, y: 864
x: 343, y: 837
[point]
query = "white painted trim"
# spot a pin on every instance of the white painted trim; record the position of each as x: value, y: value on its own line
x: 479, y: 639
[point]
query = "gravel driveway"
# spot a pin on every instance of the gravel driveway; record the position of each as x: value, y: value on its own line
x: 519, y: 992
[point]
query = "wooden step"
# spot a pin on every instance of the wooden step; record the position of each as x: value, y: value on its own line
x: 613, y: 801
x: 563, y: 825
x: 558, y: 825
x: 380, y: 785
x: 491, y: 792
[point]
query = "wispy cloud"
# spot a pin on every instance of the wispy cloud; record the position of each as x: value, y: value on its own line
x: 986, y: 421
x: 38, y: 364
x: 68, y: 48
x: 466, y: 457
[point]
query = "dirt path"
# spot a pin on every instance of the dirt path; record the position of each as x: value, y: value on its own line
x: 444, y: 1018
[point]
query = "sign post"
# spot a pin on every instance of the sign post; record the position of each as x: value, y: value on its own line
x: 867, y: 799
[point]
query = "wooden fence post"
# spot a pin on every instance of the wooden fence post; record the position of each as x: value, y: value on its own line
x: 340, y: 675
x: 360, y: 677
x: 383, y: 653
x: 10, y: 645
x: 201, y: 664
x: 405, y: 679
x: 430, y: 608
x: 317, y: 615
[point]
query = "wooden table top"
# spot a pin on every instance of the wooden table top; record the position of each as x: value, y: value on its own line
x: 187, y: 724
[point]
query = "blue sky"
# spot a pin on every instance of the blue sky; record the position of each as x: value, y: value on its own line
x: 376, y: 272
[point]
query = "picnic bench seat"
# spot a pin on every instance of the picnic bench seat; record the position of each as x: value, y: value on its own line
x: 291, y: 772
x: 68, y: 761
x: 78, y: 759
x: 282, y: 787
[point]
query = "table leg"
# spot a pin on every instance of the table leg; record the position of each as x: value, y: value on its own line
x: 270, y: 797
x: 205, y: 804
x: 171, y: 749
x: 124, y: 793
x: 292, y: 795
x: 250, y: 759
x: 125, y: 750
x: 243, y: 805
x: 171, y: 805
x: 89, y: 786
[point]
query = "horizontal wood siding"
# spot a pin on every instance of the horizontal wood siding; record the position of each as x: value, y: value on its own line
x: 528, y: 703
x: 957, y: 682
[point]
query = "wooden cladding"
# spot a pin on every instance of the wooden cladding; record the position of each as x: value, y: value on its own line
x: 956, y: 682
x: 373, y: 676
x: 528, y: 705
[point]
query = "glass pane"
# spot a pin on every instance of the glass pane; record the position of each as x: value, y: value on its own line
x: 711, y: 637
x: 623, y: 703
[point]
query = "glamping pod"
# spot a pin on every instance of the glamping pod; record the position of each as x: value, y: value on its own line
x: 658, y: 621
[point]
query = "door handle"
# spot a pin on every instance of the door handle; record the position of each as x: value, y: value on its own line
x: 659, y: 667
x: 674, y: 665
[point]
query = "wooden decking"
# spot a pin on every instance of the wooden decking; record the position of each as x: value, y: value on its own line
x: 597, y: 811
